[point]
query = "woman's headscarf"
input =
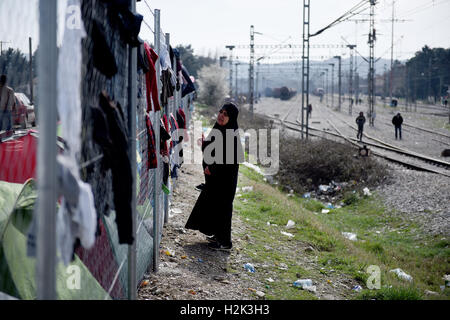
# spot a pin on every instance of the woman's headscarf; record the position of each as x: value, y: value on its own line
x: 233, y: 113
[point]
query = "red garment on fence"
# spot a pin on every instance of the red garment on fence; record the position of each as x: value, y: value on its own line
x: 152, y: 160
x: 151, y: 79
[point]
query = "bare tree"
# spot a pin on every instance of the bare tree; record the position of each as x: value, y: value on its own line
x: 213, y: 85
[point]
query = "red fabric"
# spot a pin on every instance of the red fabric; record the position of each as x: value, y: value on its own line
x: 151, y: 79
x: 185, y: 133
x: 18, y: 159
x: 166, y: 125
x: 101, y: 262
x: 152, y: 160
x: 164, y: 150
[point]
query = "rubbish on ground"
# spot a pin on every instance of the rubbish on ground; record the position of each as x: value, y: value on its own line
x: 283, y: 266
x: 144, y: 283
x: 290, y: 224
x: 192, y: 292
x: 270, y: 280
x: 247, y: 189
x: 176, y: 211
x: 367, y: 192
x: 330, y: 205
x: 260, y: 294
x: 183, y: 257
x: 312, y: 289
x: 249, y: 267
x: 324, y: 188
x: 357, y: 288
x: 350, y: 236
x: 307, y: 195
x: 447, y: 280
x: 431, y: 293
x: 290, y: 235
x: 325, y: 210
x: 301, y: 283
x: 200, y: 260
x: 401, y: 274
x: 169, y: 252
x: 329, y: 281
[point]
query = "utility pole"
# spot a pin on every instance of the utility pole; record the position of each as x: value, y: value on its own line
x: 332, y: 84
x: 385, y: 84
x: 1, y: 46
x: 31, y: 70
x: 251, y: 78
x: 236, y: 80
x: 305, y: 66
x: 372, y: 38
x: 339, y: 81
x: 231, y: 69
x: 221, y: 60
x: 350, y: 85
x: 326, y: 89
x: 257, y: 80
x: 391, y: 76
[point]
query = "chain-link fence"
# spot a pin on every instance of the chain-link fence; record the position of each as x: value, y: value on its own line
x: 87, y: 171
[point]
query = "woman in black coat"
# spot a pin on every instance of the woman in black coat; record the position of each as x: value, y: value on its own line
x: 222, y: 153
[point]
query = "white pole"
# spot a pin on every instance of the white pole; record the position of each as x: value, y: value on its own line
x: 46, y: 172
x: 157, y: 185
x: 132, y: 101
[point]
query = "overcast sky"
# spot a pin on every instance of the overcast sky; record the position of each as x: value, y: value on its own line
x: 209, y: 25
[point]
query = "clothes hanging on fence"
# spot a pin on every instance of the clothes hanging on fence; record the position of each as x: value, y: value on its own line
x: 164, y: 56
x: 76, y: 217
x: 103, y: 58
x: 151, y: 80
x: 70, y: 62
x: 129, y: 24
x: 142, y: 62
x: 181, y: 118
x: 164, y: 137
x: 167, y: 86
x: 120, y: 165
x: 188, y: 85
x: 152, y: 159
x: 177, y: 138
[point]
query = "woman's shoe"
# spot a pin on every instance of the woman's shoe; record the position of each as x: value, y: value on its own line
x: 211, y: 238
x: 217, y: 246
x: 200, y: 187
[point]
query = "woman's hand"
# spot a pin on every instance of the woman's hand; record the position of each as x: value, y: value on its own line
x: 207, y: 172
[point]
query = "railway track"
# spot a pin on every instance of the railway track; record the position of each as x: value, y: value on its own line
x: 382, y: 149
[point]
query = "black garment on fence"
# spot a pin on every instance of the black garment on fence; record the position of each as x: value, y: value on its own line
x: 213, y: 210
x: 120, y: 165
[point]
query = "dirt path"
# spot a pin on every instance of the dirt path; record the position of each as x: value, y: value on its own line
x: 192, y: 271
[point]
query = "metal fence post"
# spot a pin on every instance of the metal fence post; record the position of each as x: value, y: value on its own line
x: 132, y: 101
x: 157, y: 186
x: 166, y: 197
x: 46, y: 172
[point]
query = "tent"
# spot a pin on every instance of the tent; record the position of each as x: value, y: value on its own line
x: 17, y: 270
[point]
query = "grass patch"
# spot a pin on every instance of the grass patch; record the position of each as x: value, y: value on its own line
x: 394, y: 293
x: 383, y: 240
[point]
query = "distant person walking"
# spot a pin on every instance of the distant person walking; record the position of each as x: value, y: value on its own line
x: 360, y: 121
x: 309, y: 110
x: 6, y: 104
x: 397, y: 121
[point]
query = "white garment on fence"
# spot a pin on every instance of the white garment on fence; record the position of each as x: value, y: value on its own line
x: 69, y: 77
